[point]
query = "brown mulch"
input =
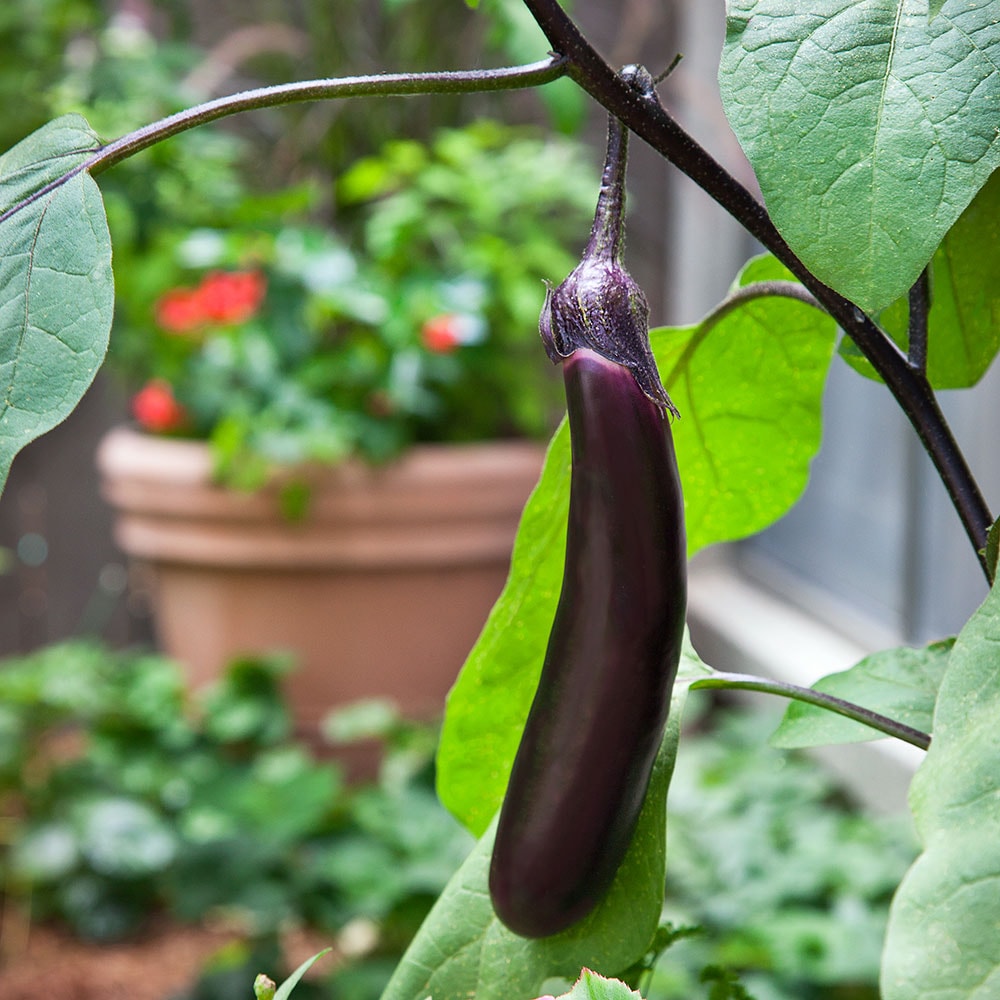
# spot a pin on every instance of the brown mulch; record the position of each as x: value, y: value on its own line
x: 52, y: 965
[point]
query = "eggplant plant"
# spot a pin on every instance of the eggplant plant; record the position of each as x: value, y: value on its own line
x: 872, y: 127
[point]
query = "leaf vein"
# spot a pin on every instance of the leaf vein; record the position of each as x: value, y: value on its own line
x: 8, y: 402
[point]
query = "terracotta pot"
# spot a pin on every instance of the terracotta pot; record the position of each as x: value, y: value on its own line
x: 380, y: 591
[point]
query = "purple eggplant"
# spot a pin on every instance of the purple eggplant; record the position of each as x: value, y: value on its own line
x: 585, y: 758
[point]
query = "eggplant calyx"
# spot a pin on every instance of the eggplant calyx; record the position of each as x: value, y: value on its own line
x: 599, y: 305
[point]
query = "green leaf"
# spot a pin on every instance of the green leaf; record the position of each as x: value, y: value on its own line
x: 124, y: 838
x: 463, y: 950
x: 964, y: 320
x: 285, y: 989
x: 488, y: 704
x: 591, y: 986
x: 992, y: 550
x: 900, y: 683
x: 749, y: 387
x: 870, y: 125
x: 55, y: 270
x: 942, y: 940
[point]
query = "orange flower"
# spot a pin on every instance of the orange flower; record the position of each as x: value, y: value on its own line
x: 444, y: 333
x: 155, y: 408
x: 441, y: 334
x: 180, y: 310
x: 231, y: 296
x: 222, y: 297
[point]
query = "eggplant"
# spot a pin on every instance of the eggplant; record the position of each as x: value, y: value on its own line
x: 585, y: 758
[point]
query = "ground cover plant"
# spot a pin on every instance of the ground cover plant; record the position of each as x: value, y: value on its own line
x: 872, y: 130
x: 125, y: 801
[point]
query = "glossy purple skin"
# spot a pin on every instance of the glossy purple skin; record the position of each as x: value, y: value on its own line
x: 585, y: 758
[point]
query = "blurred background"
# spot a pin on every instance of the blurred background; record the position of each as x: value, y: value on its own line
x: 345, y: 207
x: 126, y: 64
x: 884, y: 564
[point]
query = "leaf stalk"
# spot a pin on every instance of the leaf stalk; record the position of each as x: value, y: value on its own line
x: 383, y: 85
x: 759, y: 290
x: 882, y: 723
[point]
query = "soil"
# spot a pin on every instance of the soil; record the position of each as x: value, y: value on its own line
x: 49, y: 964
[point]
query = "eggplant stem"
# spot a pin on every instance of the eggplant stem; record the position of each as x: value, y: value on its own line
x: 607, y: 234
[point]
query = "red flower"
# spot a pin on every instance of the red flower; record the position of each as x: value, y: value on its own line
x: 155, y: 408
x: 232, y: 297
x: 441, y: 334
x: 222, y: 297
x: 180, y: 310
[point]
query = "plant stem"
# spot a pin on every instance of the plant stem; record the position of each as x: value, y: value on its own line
x: 645, y: 116
x: 384, y: 85
x: 920, y: 307
x: 747, y: 682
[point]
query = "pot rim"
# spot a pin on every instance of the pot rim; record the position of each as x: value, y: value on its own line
x: 447, y: 504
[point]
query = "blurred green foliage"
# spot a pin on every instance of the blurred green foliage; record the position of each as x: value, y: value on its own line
x: 334, y: 366
x: 786, y: 879
x: 341, y: 358
x: 37, y: 38
x: 123, y: 799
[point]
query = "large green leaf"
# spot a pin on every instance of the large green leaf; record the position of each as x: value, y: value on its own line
x: 942, y: 941
x: 749, y: 387
x: 964, y: 321
x: 900, y: 683
x: 488, y: 705
x: 870, y: 124
x: 462, y: 950
x: 56, y: 288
